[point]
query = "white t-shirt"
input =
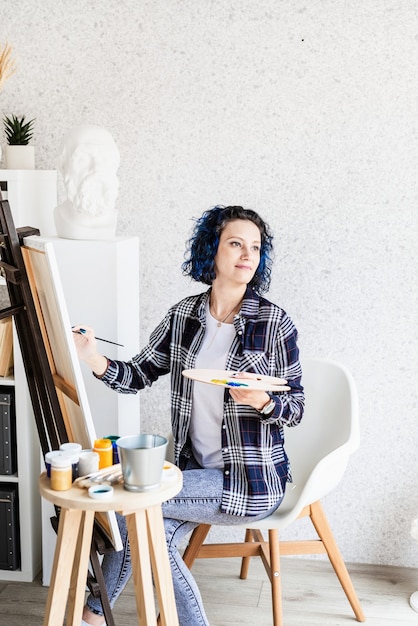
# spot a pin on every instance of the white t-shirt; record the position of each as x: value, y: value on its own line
x: 206, y: 419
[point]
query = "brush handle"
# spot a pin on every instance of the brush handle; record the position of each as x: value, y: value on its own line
x: 83, y: 332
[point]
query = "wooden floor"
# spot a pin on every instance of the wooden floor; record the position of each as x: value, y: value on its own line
x: 312, y: 596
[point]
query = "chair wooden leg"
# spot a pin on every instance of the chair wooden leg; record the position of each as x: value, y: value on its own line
x: 270, y: 555
x: 271, y: 562
x: 196, y: 540
x: 275, y: 577
x: 261, y: 549
x: 245, y: 561
x: 323, y: 529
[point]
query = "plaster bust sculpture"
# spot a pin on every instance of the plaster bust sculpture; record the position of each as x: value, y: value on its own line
x: 88, y: 162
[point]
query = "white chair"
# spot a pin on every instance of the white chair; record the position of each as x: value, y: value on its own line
x: 319, y: 449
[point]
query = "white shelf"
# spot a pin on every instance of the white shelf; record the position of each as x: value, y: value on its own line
x: 7, y: 381
x: 32, y: 195
x: 26, y: 478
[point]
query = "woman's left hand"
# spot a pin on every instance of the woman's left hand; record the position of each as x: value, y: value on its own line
x: 250, y: 397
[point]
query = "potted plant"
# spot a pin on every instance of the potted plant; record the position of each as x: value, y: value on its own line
x: 19, y: 155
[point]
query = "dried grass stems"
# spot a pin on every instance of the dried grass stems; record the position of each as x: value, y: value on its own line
x: 7, y: 63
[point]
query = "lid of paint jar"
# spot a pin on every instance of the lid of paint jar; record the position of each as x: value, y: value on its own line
x: 102, y: 444
x: 61, y: 462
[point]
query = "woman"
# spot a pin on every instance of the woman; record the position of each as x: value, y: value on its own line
x: 230, y: 443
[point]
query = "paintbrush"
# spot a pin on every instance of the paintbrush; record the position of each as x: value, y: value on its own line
x: 82, y: 331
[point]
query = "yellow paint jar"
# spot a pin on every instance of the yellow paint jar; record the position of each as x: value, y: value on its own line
x: 61, y: 473
x: 105, y: 451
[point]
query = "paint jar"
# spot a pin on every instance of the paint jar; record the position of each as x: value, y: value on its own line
x: 101, y: 492
x: 73, y: 450
x: 88, y: 462
x: 61, y: 473
x: 73, y: 457
x: 105, y: 451
x: 113, y: 439
x: 70, y: 447
x: 48, y: 458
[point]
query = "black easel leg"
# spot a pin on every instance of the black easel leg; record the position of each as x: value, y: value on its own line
x: 98, y: 574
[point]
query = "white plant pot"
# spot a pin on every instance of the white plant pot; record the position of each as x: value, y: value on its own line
x: 19, y: 157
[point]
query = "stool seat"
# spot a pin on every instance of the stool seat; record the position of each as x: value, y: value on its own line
x: 147, y: 542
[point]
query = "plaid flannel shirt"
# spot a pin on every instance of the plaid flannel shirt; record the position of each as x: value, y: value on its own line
x: 256, y: 467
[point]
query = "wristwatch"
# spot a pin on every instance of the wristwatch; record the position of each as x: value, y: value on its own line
x: 268, y: 408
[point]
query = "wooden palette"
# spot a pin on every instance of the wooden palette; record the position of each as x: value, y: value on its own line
x: 224, y: 378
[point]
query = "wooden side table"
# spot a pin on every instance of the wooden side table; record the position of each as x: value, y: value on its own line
x: 147, y: 541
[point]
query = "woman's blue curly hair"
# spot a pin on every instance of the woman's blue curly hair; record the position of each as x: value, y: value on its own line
x: 203, y: 245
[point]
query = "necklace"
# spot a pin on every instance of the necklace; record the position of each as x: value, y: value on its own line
x: 220, y: 322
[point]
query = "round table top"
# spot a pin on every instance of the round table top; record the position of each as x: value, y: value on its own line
x: 121, y: 499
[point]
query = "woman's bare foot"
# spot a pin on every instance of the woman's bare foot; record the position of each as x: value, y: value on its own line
x: 92, y: 618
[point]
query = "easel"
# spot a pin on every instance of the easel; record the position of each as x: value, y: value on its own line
x: 46, y: 407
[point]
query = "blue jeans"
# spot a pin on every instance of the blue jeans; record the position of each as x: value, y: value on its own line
x: 197, y: 503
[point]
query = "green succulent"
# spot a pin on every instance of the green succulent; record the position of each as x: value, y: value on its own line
x: 18, y: 133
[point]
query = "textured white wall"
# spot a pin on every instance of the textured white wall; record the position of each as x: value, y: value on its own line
x: 304, y: 111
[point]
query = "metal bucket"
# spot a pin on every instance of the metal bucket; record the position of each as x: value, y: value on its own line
x: 142, y: 459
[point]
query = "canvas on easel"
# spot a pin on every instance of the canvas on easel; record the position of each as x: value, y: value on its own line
x: 45, y: 284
